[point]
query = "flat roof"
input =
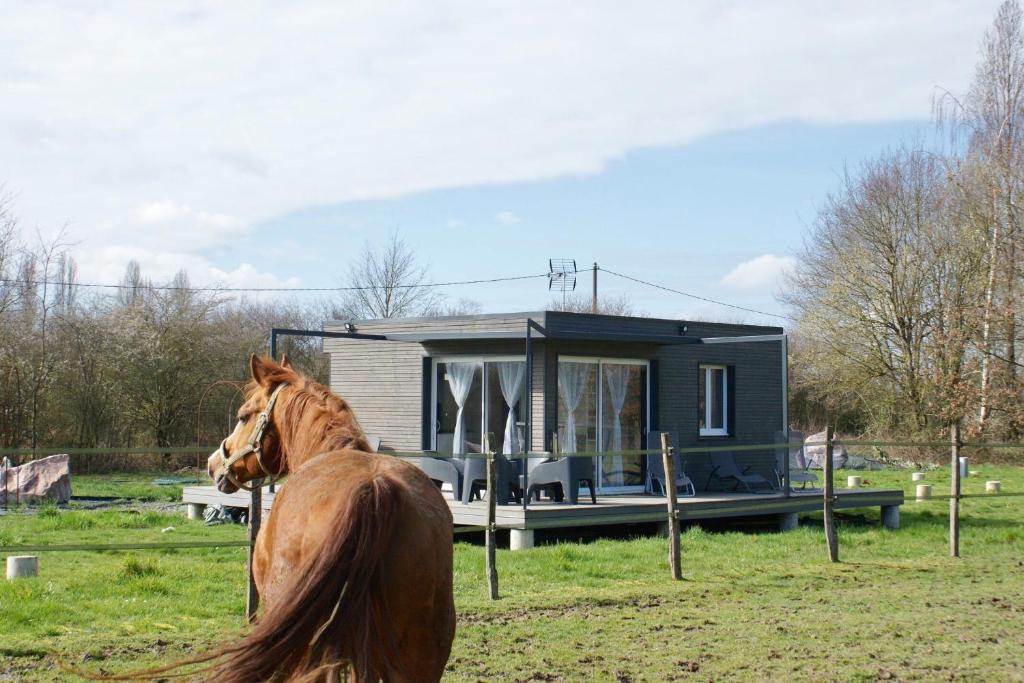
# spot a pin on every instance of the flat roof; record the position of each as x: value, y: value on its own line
x: 426, y: 337
x: 544, y: 317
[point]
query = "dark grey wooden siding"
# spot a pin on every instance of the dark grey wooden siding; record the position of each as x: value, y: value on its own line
x: 757, y: 401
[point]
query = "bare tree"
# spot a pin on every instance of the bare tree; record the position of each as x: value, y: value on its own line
x: 388, y: 283
x: 885, y: 292
x: 991, y: 116
x: 8, y: 250
x: 615, y: 304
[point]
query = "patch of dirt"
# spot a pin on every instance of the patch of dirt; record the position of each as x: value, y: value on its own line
x: 578, y: 610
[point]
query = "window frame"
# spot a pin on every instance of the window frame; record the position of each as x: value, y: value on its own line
x: 706, y: 371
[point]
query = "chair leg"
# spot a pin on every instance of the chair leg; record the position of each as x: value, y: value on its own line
x: 467, y: 491
x: 573, y: 494
x: 593, y: 492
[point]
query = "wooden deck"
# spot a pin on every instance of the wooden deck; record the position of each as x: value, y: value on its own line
x: 625, y: 509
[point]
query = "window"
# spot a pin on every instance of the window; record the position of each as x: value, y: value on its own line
x: 602, y: 407
x: 476, y: 396
x: 713, y: 400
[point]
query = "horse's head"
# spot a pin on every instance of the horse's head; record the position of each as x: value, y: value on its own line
x: 253, y: 450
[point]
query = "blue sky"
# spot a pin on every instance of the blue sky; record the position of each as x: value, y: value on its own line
x: 685, y: 143
x: 682, y: 216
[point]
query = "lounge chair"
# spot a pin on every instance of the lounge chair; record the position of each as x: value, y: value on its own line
x: 656, y: 468
x: 724, y: 468
x: 568, y: 473
x: 799, y: 468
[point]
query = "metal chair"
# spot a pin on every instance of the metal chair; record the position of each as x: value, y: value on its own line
x: 799, y: 468
x: 656, y: 468
x: 724, y: 468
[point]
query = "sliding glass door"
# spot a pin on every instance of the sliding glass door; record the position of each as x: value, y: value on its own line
x: 602, y: 407
x: 474, y: 396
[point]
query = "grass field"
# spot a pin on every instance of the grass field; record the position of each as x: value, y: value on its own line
x: 752, y: 605
x: 134, y: 486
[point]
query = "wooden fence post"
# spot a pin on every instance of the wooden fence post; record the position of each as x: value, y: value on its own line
x: 490, y: 540
x: 255, y: 520
x: 954, y: 492
x: 831, y: 539
x: 669, y: 461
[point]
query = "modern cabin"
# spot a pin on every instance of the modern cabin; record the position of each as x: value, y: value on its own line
x: 553, y: 382
x: 569, y: 382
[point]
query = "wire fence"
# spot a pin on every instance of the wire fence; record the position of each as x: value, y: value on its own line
x: 779, y: 460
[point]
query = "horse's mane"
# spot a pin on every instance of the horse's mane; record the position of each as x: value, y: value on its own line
x: 312, y: 419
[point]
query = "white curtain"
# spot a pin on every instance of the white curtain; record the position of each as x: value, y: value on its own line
x: 510, y: 376
x: 460, y: 381
x: 617, y: 377
x: 572, y: 380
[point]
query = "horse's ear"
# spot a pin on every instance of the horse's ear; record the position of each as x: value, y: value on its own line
x: 259, y: 370
x: 286, y: 362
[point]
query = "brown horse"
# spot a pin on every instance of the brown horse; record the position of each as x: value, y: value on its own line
x: 354, y: 564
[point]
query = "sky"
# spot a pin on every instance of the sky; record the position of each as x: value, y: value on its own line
x: 265, y: 144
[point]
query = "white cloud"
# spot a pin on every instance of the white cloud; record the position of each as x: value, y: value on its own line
x: 244, y: 114
x: 507, y: 218
x: 106, y: 265
x: 762, y: 273
x: 186, y: 227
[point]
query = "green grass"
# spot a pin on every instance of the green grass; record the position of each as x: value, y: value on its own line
x: 134, y: 486
x: 752, y: 605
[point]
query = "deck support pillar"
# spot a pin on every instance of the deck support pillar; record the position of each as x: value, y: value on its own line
x: 520, y: 539
x: 891, y: 516
x: 196, y: 510
x: 788, y: 521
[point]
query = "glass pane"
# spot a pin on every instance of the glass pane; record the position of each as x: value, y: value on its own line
x: 506, y: 377
x: 717, y: 379
x: 577, y: 407
x: 702, y: 409
x: 622, y: 423
x: 456, y: 381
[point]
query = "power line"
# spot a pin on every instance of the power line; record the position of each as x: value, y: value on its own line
x: 451, y: 283
x: 174, y: 288
x: 695, y: 296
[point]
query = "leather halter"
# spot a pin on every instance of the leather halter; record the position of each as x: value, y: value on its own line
x: 254, y: 446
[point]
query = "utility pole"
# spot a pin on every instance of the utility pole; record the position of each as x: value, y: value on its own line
x: 593, y: 298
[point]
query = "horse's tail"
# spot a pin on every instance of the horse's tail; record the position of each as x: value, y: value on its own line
x: 334, y: 615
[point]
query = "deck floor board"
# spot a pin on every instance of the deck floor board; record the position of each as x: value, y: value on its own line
x: 616, y: 509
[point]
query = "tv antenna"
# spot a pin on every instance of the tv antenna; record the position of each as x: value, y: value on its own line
x: 562, y: 276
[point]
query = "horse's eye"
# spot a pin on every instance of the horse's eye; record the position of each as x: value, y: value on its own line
x: 243, y: 418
